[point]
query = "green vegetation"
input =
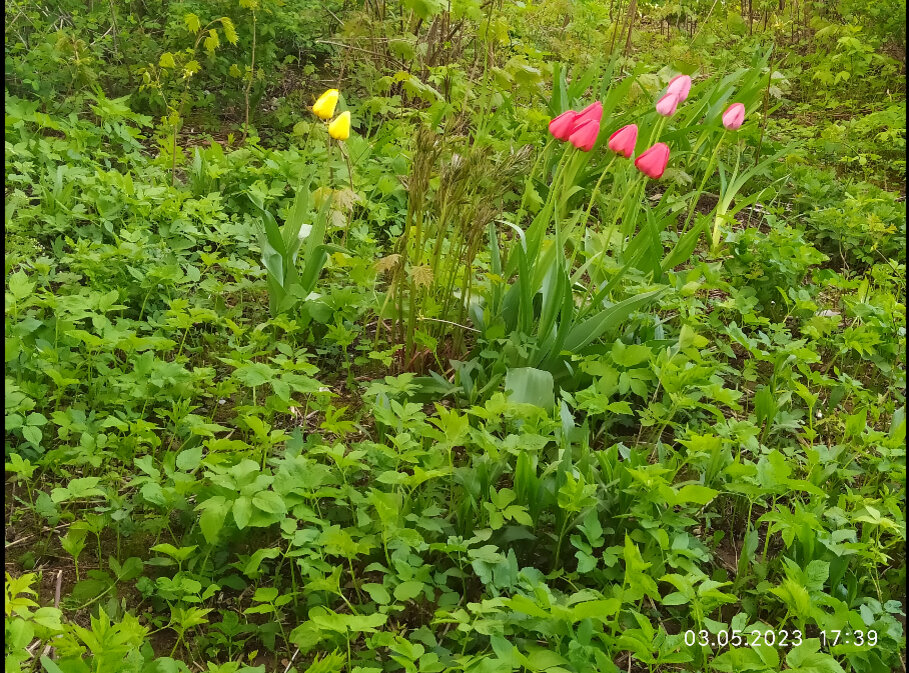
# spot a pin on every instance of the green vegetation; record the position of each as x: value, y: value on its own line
x: 445, y: 392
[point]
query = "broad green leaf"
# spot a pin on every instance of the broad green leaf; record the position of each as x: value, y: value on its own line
x: 530, y: 386
x: 242, y: 511
x: 406, y: 591
x: 695, y: 493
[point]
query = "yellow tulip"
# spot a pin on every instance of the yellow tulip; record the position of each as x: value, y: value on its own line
x: 339, y: 129
x: 324, y: 108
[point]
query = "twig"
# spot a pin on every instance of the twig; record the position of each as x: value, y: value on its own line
x: 296, y: 652
x: 49, y: 650
x: 340, y: 23
x: 19, y: 541
x: 113, y: 18
x: 400, y: 64
x: 448, y: 322
x: 95, y: 41
x: 252, y: 76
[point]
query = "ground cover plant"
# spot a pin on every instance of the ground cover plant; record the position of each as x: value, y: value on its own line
x: 469, y: 336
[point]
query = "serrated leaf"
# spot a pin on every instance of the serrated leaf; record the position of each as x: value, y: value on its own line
x: 230, y: 31
x: 192, y: 23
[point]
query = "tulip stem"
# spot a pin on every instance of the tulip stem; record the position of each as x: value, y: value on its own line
x: 571, y: 168
x: 556, y: 180
x: 527, y: 185
x: 331, y: 172
x: 618, y: 211
x: 352, y: 196
x: 596, y: 190
x: 697, y: 196
x: 657, y: 131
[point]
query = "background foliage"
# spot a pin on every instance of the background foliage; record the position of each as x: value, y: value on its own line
x: 408, y: 448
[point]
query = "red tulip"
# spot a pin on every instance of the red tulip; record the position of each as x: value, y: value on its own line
x: 652, y: 162
x: 562, y: 126
x: 585, y: 134
x: 734, y: 116
x: 680, y: 85
x: 593, y: 111
x: 667, y: 104
x: 623, y: 141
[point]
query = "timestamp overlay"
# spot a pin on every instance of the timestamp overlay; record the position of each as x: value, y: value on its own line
x: 779, y: 637
x: 761, y: 647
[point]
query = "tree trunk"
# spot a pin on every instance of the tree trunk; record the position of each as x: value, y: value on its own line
x: 615, y: 30
x: 631, y: 11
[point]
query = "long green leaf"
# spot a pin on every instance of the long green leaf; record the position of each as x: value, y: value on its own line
x: 607, y: 320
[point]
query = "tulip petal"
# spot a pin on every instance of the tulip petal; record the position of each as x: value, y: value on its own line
x: 623, y: 141
x: 584, y: 136
x: 593, y: 111
x: 667, y: 104
x: 562, y: 126
x: 734, y: 116
x: 339, y: 129
x: 324, y: 107
x: 652, y: 161
x: 680, y: 85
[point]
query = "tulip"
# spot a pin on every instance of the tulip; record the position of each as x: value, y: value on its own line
x: 667, y: 104
x: 584, y: 135
x: 680, y: 85
x: 593, y: 111
x: 339, y: 129
x: 324, y: 108
x: 562, y: 126
x: 623, y: 141
x: 652, y: 162
x: 734, y: 116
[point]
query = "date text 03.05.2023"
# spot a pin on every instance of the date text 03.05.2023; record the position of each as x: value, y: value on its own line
x: 781, y: 638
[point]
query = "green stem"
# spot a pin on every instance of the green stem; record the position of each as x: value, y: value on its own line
x: 700, y: 190
x: 618, y: 211
x: 596, y: 191
x: 353, y: 194
x: 658, y: 129
x: 529, y: 182
x: 558, y: 549
x: 724, y: 203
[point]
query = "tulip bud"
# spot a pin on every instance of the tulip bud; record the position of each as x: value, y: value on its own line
x: 652, y: 162
x: 667, y: 104
x: 339, y: 129
x: 623, y: 141
x: 324, y: 108
x: 584, y: 136
x: 734, y: 116
x: 562, y: 126
x: 680, y: 85
x: 593, y: 111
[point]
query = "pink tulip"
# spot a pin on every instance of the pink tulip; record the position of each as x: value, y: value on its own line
x: 734, y: 116
x: 652, y: 161
x: 593, y: 111
x: 585, y: 134
x: 562, y: 126
x: 680, y: 85
x: 667, y: 104
x: 623, y: 141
